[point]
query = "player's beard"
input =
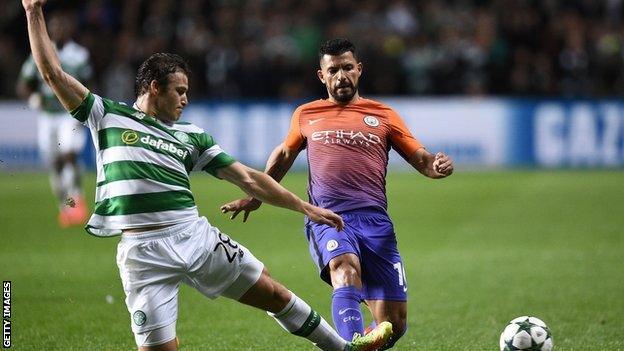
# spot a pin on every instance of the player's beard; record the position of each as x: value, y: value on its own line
x: 344, y: 97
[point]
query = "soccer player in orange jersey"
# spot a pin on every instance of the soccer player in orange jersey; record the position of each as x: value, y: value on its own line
x: 348, y: 139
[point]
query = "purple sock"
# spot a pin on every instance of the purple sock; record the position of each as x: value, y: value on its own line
x: 346, y: 312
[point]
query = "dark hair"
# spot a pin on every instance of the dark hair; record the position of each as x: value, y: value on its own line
x: 335, y: 47
x: 158, y: 67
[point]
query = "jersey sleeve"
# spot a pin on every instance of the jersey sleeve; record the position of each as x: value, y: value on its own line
x: 295, y: 139
x: 91, y: 110
x: 211, y: 156
x: 401, y: 138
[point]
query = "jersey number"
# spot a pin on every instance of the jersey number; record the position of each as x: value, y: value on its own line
x: 401, y: 270
x: 228, y: 246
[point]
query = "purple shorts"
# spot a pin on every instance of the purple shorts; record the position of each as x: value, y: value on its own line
x: 369, y: 234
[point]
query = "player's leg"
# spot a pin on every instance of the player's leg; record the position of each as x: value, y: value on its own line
x: 292, y: 313
x: 337, y: 256
x: 169, y: 346
x: 48, y: 151
x: 384, y: 285
x: 298, y: 318
x: 345, y: 273
x: 151, y: 268
x: 228, y: 269
x: 394, y: 312
x: 243, y: 278
x: 71, y: 141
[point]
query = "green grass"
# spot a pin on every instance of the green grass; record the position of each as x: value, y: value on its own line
x: 480, y: 249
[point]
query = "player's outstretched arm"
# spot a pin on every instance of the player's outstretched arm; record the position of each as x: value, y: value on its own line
x: 67, y: 89
x: 278, y: 164
x: 261, y: 186
x: 433, y: 166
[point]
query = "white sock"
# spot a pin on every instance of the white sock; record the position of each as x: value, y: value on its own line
x: 57, y: 187
x: 298, y: 318
x: 69, y: 180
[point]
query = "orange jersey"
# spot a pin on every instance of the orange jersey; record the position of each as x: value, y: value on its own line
x: 348, y: 150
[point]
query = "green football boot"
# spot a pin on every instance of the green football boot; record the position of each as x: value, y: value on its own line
x: 373, y: 340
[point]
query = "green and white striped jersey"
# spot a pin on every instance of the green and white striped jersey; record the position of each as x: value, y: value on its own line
x: 143, y: 166
x: 74, y: 60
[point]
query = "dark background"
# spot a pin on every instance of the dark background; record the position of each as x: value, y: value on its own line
x: 268, y: 49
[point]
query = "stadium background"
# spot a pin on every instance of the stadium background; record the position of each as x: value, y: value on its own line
x: 524, y: 95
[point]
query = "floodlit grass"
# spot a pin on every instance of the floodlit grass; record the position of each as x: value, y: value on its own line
x: 480, y: 249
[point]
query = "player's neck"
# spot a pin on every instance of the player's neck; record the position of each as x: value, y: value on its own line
x: 147, y: 106
x: 142, y: 104
x: 353, y: 100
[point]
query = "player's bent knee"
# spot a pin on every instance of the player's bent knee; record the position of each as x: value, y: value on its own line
x: 267, y: 294
x: 344, y: 271
x: 159, y: 339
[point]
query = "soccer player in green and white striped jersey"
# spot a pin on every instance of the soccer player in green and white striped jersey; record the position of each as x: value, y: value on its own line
x: 144, y: 157
x: 60, y: 138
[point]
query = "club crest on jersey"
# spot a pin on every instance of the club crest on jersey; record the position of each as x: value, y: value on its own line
x: 371, y: 121
x: 183, y: 137
x: 332, y: 245
x: 129, y: 137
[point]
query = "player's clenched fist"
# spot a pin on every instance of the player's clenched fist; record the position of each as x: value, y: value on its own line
x: 443, y: 164
x: 31, y: 4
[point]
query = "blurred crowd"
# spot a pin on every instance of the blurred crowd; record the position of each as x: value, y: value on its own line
x: 268, y: 49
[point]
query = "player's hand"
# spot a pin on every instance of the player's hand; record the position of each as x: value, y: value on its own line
x: 31, y: 4
x: 324, y: 216
x: 247, y: 205
x: 443, y: 165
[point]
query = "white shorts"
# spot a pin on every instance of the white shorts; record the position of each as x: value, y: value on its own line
x: 58, y: 134
x: 152, y: 265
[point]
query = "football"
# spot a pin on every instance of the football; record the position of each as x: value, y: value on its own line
x: 526, y: 333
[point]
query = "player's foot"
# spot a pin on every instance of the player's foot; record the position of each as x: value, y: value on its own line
x: 373, y: 340
x: 79, y: 213
x: 64, y: 218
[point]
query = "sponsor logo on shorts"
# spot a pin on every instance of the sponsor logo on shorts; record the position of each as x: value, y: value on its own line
x: 332, y: 245
x: 183, y: 137
x: 371, y: 121
x: 129, y: 137
x: 139, y: 317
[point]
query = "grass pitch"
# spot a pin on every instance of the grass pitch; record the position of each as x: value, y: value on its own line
x: 480, y: 249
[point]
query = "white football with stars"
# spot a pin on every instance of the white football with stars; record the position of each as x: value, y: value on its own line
x: 526, y: 333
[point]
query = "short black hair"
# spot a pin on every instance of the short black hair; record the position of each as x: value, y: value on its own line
x: 158, y: 67
x: 335, y: 47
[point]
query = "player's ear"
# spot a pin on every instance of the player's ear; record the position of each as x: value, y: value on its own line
x: 154, y: 87
x: 360, y: 67
x: 319, y: 74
